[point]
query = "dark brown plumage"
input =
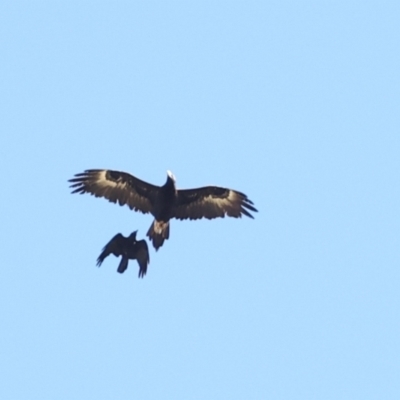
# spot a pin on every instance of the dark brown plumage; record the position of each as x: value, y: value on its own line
x: 130, y: 249
x: 163, y: 202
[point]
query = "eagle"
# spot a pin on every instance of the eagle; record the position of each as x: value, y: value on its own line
x: 130, y: 249
x: 163, y: 202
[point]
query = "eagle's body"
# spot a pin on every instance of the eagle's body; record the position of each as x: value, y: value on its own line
x: 163, y: 202
x: 130, y: 249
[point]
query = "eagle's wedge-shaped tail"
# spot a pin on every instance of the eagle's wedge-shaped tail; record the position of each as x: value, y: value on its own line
x: 158, y: 232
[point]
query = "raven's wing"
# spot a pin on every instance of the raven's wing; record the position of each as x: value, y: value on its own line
x: 211, y: 202
x: 117, y: 187
x: 114, y: 246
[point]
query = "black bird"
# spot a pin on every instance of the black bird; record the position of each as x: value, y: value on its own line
x: 130, y: 249
x: 163, y: 202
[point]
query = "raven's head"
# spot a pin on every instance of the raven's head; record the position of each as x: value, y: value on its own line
x: 132, y: 236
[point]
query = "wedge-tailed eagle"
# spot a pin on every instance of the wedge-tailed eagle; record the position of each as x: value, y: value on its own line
x: 163, y: 202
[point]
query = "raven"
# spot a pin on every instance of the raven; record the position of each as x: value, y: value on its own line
x: 130, y: 249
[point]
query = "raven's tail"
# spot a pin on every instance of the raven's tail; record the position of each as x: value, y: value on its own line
x: 158, y: 232
x: 123, y: 265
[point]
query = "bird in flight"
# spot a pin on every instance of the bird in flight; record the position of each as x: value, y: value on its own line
x: 163, y: 202
x: 130, y: 249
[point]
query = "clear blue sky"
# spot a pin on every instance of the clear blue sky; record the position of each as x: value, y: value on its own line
x: 294, y: 103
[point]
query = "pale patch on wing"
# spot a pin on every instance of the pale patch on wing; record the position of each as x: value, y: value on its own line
x: 229, y: 205
x: 221, y: 202
x: 102, y: 181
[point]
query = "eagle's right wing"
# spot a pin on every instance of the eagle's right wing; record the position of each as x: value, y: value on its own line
x: 117, y: 187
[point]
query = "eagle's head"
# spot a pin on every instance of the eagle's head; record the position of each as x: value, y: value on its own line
x: 171, y: 175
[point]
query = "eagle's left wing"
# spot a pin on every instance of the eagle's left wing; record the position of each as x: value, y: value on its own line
x: 211, y: 202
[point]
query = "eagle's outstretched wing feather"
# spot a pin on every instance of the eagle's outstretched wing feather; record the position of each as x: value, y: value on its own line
x: 212, y: 202
x: 117, y: 187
